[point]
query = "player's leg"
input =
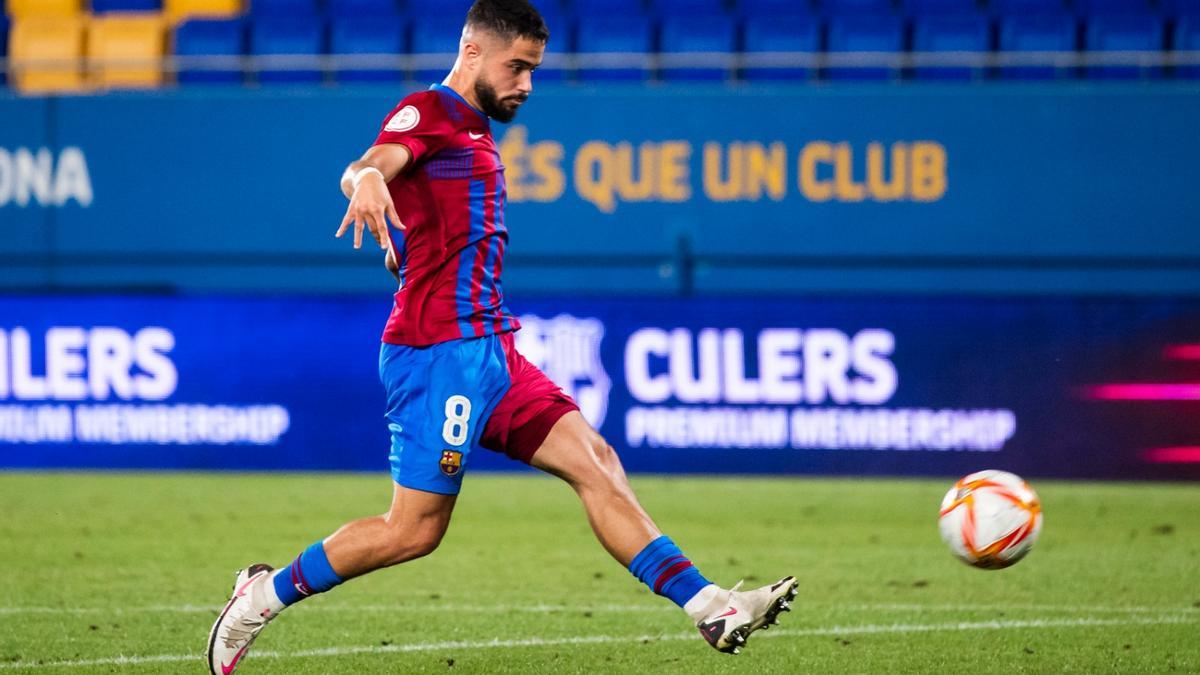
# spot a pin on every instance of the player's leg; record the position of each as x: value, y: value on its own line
x: 579, y: 455
x: 412, y: 527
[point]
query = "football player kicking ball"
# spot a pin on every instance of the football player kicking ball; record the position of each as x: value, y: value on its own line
x: 454, y: 381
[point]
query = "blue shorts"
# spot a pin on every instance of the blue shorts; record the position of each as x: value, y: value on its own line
x: 438, y: 399
x: 445, y: 400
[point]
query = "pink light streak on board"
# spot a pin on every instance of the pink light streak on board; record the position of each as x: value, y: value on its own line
x: 1189, y: 391
x: 1180, y: 455
x: 1183, y: 352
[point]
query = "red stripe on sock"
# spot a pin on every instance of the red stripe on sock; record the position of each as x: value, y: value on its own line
x: 667, y: 563
x: 671, y: 572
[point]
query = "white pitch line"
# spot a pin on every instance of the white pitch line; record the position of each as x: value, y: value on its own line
x: 618, y: 608
x: 868, y: 629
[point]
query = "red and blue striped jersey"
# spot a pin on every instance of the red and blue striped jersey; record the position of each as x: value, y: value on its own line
x: 451, y: 198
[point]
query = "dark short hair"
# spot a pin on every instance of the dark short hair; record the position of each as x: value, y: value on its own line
x: 508, y: 19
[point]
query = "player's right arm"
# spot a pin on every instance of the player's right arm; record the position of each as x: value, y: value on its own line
x: 364, y: 183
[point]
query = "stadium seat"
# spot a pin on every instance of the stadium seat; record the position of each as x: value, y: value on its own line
x: 435, y: 42
x: 363, y: 8
x: 125, y: 50
x: 1026, y: 7
x: 1121, y: 33
x: 1178, y: 7
x: 20, y: 9
x: 609, y: 7
x: 292, y: 8
x: 1036, y: 33
x: 289, y: 38
x: 381, y: 35
x: 878, y: 33
x: 683, y: 8
x: 102, y: 6
x: 749, y: 8
x: 780, y: 33
x: 713, y: 34
x: 562, y: 41
x: 1089, y: 7
x: 857, y: 7
x: 54, y: 45
x: 210, y: 38
x: 944, y: 7
x: 179, y: 10
x: 1187, y: 38
x: 627, y: 36
x: 950, y: 33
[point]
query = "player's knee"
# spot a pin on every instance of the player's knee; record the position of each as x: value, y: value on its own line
x: 605, y: 465
x: 404, y: 544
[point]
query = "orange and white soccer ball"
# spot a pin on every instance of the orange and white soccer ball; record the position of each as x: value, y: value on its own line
x: 990, y: 519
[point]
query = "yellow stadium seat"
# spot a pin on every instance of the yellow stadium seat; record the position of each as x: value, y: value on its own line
x: 125, y: 51
x: 178, y: 10
x: 46, y: 54
x: 20, y: 9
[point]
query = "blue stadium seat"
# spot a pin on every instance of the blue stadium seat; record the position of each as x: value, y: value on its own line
x: 1036, y: 33
x: 303, y: 8
x: 629, y: 34
x: 781, y: 33
x: 1187, y: 38
x: 680, y: 8
x: 291, y: 35
x: 562, y: 41
x: 878, y: 33
x: 698, y: 33
x: 210, y: 37
x: 750, y: 8
x: 609, y: 7
x: 857, y: 7
x: 1089, y: 7
x: 950, y: 33
x: 1025, y: 7
x: 379, y: 34
x: 435, y: 39
x: 363, y: 8
x: 101, y: 6
x: 1123, y: 32
x: 1178, y: 7
x: 934, y: 7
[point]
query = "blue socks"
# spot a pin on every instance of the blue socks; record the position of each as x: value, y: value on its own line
x: 309, y: 573
x: 664, y: 568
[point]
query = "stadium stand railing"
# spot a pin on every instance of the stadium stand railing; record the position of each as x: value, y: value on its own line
x: 74, y: 45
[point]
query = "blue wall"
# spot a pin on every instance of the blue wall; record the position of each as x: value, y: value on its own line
x: 1006, y: 189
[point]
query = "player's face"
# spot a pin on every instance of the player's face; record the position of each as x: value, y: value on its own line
x: 506, y: 77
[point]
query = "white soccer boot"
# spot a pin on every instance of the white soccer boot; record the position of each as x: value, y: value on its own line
x: 241, y: 621
x: 734, y: 614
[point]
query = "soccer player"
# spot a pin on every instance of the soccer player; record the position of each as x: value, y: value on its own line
x: 431, y: 192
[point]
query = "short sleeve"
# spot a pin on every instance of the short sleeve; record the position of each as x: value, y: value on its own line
x: 418, y: 123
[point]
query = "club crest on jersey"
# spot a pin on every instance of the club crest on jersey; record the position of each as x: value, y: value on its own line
x: 406, y: 119
x: 567, y: 349
x: 451, y: 462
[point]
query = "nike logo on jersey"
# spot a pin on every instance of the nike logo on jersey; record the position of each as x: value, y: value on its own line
x: 474, y: 136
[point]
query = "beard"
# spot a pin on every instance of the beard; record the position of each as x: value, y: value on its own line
x: 501, y: 110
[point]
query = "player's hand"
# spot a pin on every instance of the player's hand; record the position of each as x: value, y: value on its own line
x: 370, y: 207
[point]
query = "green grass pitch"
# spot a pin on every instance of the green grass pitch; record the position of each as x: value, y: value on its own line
x: 108, y: 572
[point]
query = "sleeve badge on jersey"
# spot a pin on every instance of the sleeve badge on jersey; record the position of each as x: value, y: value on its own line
x: 406, y: 119
x: 451, y: 462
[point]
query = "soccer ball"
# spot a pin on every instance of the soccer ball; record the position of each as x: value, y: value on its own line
x: 990, y: 519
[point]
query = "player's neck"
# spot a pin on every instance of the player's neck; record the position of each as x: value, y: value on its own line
x: 458, y: 81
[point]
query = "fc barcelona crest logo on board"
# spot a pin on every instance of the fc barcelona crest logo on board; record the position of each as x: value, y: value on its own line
x: 451, y: 462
